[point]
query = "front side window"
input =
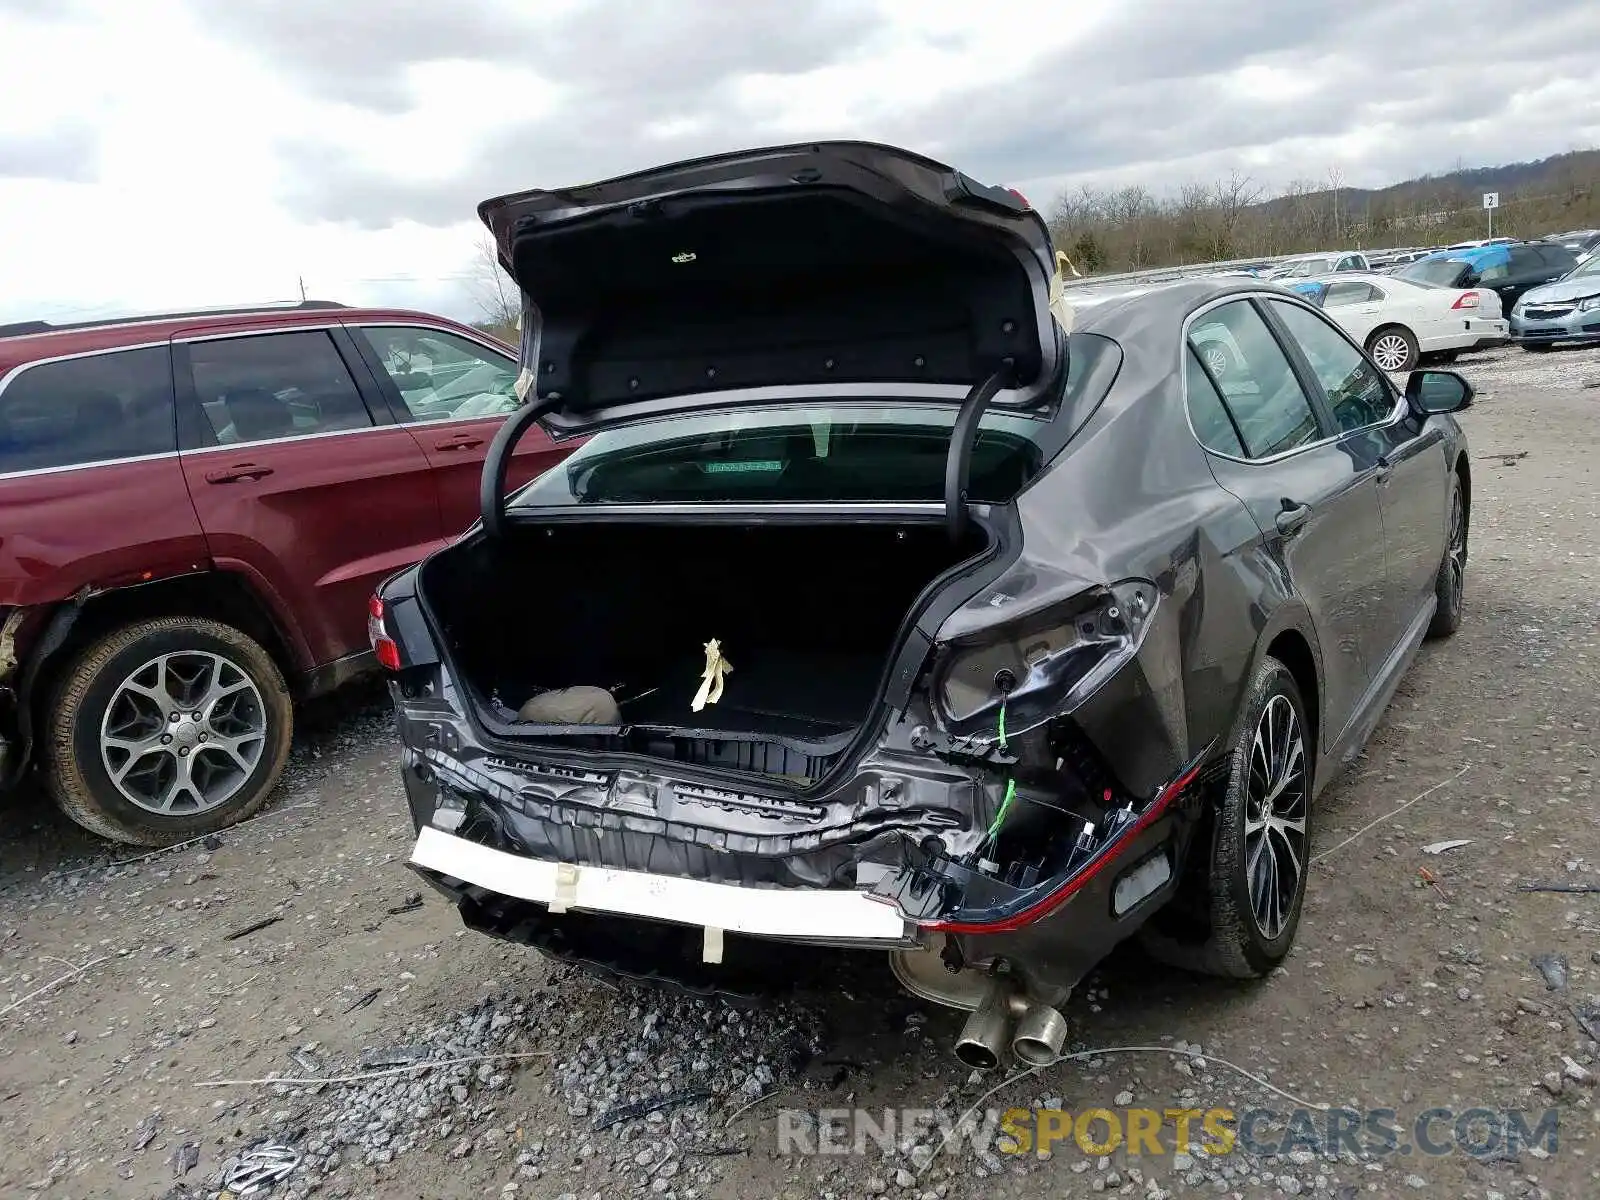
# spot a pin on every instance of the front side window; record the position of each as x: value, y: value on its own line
x: 1356, y: 390
x: 275, y: 385
x: 442, y: 377
x: 86, y: 410
x: 1259, y: 387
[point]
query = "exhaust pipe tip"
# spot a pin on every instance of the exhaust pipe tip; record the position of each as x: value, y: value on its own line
x: 1041, y: 1033
x: 983, y: 1037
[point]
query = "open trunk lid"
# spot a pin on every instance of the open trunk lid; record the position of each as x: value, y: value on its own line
x: 846, y: 268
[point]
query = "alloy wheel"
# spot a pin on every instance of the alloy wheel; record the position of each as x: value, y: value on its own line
x: 183, y: 733
x: 1391, y: 351
x: 1217, y: 360
x: 1276, y: 804
x: 1458, y: 550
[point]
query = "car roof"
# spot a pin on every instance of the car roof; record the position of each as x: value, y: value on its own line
x: 1105, y: 310
x: 28, y: 341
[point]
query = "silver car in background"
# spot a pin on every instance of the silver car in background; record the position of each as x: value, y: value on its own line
x: 1567, y: 310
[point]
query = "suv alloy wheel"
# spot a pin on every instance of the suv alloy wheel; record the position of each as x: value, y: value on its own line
x: 167, y: 729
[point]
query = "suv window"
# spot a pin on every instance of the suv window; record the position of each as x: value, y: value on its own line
x: 441, y: 376
x: 1557, y: 258
x: 1269, y: 407
x: 1209, y: 416
x: 275, y: 385
x: 1356, y: 390
x: 87, y: 410
x: 1525, y: 260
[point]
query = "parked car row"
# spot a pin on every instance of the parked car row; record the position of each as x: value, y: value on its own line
x: 197, y: 508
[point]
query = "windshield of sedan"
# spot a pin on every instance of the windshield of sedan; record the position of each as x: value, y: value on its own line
x: 823, y: 451
x: 1589, y: 266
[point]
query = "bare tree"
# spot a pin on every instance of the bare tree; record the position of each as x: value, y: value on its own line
x: 496, y: 296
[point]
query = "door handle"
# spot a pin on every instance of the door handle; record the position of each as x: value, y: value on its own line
x: 1291, y: 517
x: 459, y: 441
x: 238, y: 471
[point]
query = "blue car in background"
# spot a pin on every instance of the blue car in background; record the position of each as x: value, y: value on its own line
x: 1507, y: 268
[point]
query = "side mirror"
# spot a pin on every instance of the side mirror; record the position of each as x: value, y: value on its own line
x: 1432, y: 393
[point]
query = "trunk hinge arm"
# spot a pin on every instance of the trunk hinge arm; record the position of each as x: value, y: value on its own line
x: 958, y: 462
x: 492, y: 483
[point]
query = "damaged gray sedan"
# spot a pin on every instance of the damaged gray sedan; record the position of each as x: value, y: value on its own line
x: 893, y: 606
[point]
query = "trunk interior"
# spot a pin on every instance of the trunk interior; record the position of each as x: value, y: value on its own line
x: 806, y: 614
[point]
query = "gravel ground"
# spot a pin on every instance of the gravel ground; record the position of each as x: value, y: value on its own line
x: 1401, y: 993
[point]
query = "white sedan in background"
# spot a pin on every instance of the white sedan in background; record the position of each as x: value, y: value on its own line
x: 1399, y: 321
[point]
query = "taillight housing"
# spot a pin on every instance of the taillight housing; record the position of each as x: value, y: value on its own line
x: 1466, y: 300
x: 384, y: 646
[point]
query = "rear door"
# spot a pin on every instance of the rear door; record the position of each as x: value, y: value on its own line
x: 1271, y: 445
x: 1357, y: 307
x: 453, y: 393
x: 1412, y: 473
x: 90, y: 489
x: 298, y: 483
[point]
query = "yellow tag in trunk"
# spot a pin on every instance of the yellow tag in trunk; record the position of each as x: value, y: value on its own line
x: 711, y: 679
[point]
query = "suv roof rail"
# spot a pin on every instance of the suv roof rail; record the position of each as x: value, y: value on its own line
x: 24, y: 328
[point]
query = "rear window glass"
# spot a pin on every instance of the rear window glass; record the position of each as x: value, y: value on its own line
x: 1441, y: 272
x: 823, y: 452
x: 86, y: 410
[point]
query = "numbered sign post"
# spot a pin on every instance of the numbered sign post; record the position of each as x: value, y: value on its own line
x: 1491, y: 201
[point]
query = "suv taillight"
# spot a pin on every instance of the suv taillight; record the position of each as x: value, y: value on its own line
x: 384, y: 646
x: 1466, y: 300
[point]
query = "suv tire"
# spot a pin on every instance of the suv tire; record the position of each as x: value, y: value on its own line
x: 166, y: 730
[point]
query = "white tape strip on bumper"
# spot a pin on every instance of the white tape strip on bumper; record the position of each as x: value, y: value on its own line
x: 833, y: 915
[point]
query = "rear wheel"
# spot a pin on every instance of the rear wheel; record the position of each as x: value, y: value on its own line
x: 166, y: 730
x: 1394, y: 348
x: 1255, y: 882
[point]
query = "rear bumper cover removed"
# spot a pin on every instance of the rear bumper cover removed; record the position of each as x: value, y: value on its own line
x: 832, y: 916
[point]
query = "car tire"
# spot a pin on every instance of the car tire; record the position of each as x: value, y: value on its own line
x: 1394, y: 348
x: 1443, y: 357
x: 1251, y: 923
x: 1537, y: 347
x: 125, y: 755
x: 1449, y: 586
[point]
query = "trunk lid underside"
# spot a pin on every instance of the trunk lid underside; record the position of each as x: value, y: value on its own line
x: 847, y: 266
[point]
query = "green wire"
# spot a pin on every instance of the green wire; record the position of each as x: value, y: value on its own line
x: 1011, y: 787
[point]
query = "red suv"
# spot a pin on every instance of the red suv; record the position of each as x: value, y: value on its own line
x: 194, y: 509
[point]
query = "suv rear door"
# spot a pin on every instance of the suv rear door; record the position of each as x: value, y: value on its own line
x: 89, y: 478
x: 453, y: 392
x: 299, y: 483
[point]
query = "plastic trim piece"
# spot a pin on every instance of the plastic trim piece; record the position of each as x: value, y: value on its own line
x: 835, y: 915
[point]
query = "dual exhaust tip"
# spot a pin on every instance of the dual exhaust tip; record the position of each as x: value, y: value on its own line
x: 1035, y: 1032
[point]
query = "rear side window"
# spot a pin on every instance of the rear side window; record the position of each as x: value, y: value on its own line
x: 87, y: 410
x: 1349, y: 293
x: 1209, y: 416
x: 275, y: 385
x: 1269, y: 406
x: 441, y: 377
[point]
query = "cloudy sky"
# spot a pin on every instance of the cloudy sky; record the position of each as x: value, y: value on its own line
x: 173, y: 152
